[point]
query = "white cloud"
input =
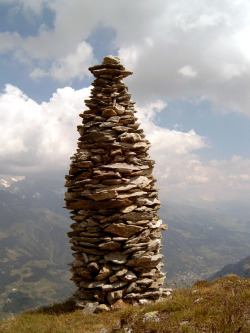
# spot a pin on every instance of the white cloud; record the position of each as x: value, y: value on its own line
x: 38, y: 138
x: 187, y: 71
x: 38, y: 73
x: 74, y: 65
x: 176, y: 48
x: 155, y: 39
x: 181, y: 174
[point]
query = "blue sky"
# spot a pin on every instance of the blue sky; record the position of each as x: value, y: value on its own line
x: 191, y: 64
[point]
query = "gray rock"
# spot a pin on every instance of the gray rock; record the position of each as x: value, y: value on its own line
x: 145, y: 261
x: 151, y: 316
x: 116, y: 257
x: 90, y: 307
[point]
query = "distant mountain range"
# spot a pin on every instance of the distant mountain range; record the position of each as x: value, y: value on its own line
x: 34, y: 248
x: 240, y: 268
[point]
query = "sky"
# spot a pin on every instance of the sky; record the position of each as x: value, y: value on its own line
x: 191, y: 64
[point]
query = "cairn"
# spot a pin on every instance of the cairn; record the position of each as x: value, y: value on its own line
x: 116, y: 234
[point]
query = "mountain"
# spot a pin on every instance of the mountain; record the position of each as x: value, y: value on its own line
x: 199, y: 242
x: 240, y: 268
x: 34, y: 253
x: 34, y: 248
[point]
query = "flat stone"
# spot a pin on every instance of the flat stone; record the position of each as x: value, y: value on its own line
x: 130, y: 137
x: 102, y: 308
x: 145, y: 261
x: 84, y: 273
x: 121, y: 129
x: 145, y: 281
x: 131, y: 287
x: 122, y: 229
x: 114, y: 295
x: 122, y: 272
x: 91, y: 285
x: 151, y: 317
x: 149, y: 294
x: 113, y: 278
x: 141, y: 181
x: 119, y: 109
x: 136, y: 216
x: 101, y: 195
x: 104, y: 273
x: 128, y: 209
x: 90, y: 307
x: 109, y: 112
x: 113, y: 286
x: 114, y: 119
x: 119, y: 304
x: 111, y: 246
x: 124, y: 167
x: 111, y: 60
x: 116, y: 257
x: 93, y: 267
x: 129, y: 277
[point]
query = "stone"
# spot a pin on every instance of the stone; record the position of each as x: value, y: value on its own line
x: 90, y: 307
x: 119, y: 109
x: 116, y: 257
x: 102, y: 308
x: 112, y: 246
x: 102, y: 195
x: 145, y: 282
x: 113, y: 286
x: 121, y: 229
x: 128, y: 209
x: 84, y: 273
x: 151, y: 317
x: 109, y: 112
x: 129, y: 277
x: 111, y: 60
x: 145, y: 261
x: 136, y: 216
x: 131, y: 287
x: 104, y: 273
x: 119, y: 304
x: 114, y: 295
x: 121, y: 272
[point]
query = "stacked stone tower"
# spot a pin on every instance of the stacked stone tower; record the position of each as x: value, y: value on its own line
x: 116, y: 234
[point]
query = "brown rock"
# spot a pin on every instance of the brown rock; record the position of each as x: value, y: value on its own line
x: 116, y: 257
x: 111, y: 246
x: 119, y: 304
x: 145, y: 261
x: 104, y: 273
x: 121, y: 229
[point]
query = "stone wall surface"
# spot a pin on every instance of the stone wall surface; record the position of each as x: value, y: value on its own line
x: 116, y: 234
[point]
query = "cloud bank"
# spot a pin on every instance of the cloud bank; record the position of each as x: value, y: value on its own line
x: 175, y: 48
x: 39, y: 139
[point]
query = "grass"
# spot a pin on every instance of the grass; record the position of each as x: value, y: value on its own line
x: 220, y: 306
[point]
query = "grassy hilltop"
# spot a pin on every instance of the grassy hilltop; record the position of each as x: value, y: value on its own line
x: 219, y: 306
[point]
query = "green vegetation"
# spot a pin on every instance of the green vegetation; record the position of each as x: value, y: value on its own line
x: 218, y: 306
